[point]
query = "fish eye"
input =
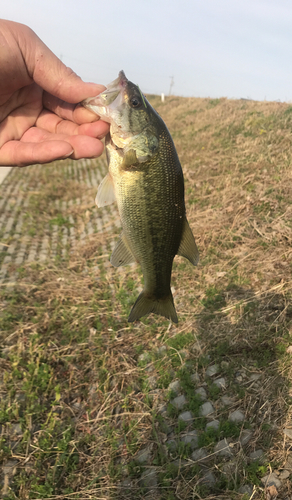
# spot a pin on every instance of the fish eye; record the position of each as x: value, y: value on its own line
x: 135, y: 102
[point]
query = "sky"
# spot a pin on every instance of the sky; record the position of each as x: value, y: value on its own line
x: 205, y: 48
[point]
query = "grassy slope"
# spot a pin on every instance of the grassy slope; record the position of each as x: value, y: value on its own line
x: 70, y: 374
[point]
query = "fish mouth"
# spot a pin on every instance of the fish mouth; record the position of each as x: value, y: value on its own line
x: 108, y: 96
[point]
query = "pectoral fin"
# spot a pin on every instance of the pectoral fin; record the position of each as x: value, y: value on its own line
x: 188, y: 247
x: 140, y: 150
x: 130, y: 159
x: 105, y: 193
x: 122, y: 254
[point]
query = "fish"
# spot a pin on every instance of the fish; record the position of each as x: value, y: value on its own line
x: 146, y: 179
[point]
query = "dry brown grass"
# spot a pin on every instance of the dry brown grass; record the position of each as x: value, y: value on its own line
x: 68, y: 318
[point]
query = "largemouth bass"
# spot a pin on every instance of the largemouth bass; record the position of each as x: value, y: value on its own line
x: 146, y: 180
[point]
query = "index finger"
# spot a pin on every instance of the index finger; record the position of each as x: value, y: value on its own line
x: 73, y: 112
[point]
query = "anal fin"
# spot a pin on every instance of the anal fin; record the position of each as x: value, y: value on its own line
x: 122, y: 254
x: 188, y: 247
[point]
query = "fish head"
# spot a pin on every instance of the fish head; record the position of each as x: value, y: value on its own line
x: 122, y: 105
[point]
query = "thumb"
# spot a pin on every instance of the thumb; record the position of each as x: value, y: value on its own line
x: 50, y: 73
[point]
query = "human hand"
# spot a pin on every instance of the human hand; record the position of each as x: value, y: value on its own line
x: 40, y: 120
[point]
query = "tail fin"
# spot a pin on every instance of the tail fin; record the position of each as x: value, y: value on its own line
x: 145, y: 305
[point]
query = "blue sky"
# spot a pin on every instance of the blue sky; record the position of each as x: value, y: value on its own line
x: 211, y: 48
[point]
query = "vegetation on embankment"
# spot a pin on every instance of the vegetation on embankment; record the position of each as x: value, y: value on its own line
x: 82, y: 391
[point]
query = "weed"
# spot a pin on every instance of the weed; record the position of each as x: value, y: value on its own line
x: 180, y: 341
x: 229, y: 429
x: 255, y: 471
x: 213, y: 102
x: 214, y: 299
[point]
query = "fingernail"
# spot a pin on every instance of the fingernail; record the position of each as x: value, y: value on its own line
x: 68, y: 154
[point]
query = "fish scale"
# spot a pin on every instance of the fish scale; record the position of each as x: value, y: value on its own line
x: 146, y: 180
x: 157, y: 224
